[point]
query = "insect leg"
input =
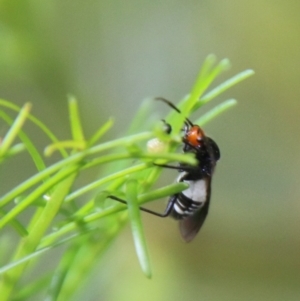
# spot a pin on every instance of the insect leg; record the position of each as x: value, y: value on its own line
x: 165, y: 214
x: 168, y: 166
x: 186, y: 168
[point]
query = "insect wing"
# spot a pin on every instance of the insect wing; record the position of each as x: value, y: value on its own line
x: 190, y: 226
x: 214, y: 149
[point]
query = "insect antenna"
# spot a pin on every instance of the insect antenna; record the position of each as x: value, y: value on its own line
x: 170, y: 104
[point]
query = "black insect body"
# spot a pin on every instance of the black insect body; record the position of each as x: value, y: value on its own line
x: 191, y: 206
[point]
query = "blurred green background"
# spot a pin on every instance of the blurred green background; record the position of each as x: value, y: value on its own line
x: 112, y: 55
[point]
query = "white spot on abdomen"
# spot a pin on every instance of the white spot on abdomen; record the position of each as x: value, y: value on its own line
x: 197, y: 191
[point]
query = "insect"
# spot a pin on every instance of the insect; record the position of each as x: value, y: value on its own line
x: 190, y: 206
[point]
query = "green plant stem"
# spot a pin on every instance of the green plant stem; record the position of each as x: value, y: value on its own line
x: 73, y: 159
x: 75, y: 121
x: 81, y: 265
x: 223, y: 87
x: 15, y: 129
x: 221, y: 108
x: 32, y: 150
x: 137, y: 227
x: 104, y: 180
x: 36, y: 121
x: 30, y: 243
x: 127, y: 171
x: 64, y: 173
x: 84, y: 218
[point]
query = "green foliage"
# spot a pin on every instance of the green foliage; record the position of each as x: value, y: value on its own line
x: 57, y: 214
